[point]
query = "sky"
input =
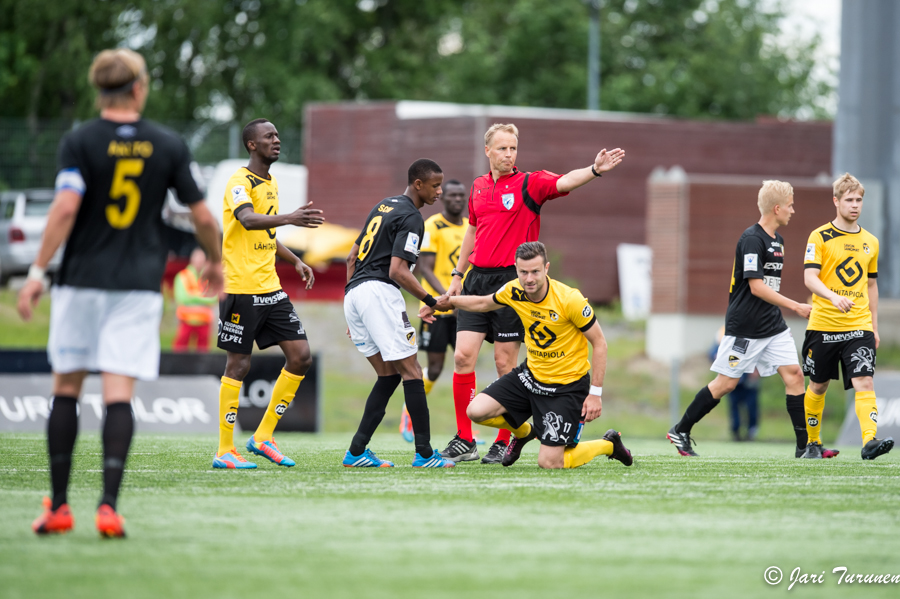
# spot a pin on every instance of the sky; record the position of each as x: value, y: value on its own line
x: 808, y: 17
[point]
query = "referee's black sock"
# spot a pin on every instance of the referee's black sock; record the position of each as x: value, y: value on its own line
x: 417, y: 406
x: 798, y: 418
x: 62, y: 430
x: 118, y: 428
x: 702, y: 405
x: 374, y: 411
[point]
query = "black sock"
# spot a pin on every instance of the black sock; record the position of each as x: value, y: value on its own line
x: 374, y: 411
x: 798, y: 418
x: 417, y: 406
x: 118, y: 428
x: 62, y: 430
x: 702, y: 405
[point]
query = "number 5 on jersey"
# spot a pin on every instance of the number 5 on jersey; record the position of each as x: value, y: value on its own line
x: 123, y: 185
x: 369, y: 240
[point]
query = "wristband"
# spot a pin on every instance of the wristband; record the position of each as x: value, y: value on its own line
x: 36, y: 273
x: 595, y: 390
x: 456, y: 273
x: 596, y: 174
x: 429, y: 301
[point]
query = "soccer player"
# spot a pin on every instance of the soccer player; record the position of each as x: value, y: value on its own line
x: 504, y: 212
x: 553, y: 384
x: 106, y: 306
x: 256, y: 307
x: 756, y: 335
x: 841, y: 269
x: 444, y: 233
x: 379, y: 264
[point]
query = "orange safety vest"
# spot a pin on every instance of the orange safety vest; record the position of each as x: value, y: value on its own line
x: 193, y: 315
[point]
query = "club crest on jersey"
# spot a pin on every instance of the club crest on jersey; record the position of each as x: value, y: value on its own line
x: 554, y: 316
x: 733, y: 361
x: 866, y: 248
x: 411, y: 337
x: 508, y: 200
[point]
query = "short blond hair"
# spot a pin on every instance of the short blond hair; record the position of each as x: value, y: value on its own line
x: 845, y: 183
x: 489, y: 134
x: 114, y: 73
x: 773, y: 193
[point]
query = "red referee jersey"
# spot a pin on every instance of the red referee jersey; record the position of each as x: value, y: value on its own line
x: 507, y: 213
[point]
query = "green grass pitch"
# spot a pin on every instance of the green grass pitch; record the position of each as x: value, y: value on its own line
x: 666, y: 527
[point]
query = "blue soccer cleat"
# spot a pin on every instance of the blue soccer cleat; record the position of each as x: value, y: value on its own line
x: 232, y: 460
x: 434, y: 461
x: 270, y: 451
x: 368, y: 459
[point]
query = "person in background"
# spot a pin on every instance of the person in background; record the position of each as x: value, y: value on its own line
x: 194, y: 313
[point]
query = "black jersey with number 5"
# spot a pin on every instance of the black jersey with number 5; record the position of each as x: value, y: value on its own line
x: 757, y: 256
x: 393, y: 228
x: 126, y: 169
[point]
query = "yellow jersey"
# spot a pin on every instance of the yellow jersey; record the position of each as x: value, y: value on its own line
x: 554, y: 330
x: 443, y: 239
x: 249, y: 256
x: 846, y: 262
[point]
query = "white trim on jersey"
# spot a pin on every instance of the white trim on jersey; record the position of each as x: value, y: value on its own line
x: 376, y: 316
x: 738, y: 356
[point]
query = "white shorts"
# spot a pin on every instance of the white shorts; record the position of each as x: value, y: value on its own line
x: 376, y: 315
x: 105, y: 330
x: 738, y: 355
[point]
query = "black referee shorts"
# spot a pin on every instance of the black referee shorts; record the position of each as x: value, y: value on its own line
x: 500, y: 325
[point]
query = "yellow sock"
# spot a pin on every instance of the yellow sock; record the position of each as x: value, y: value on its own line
x: 229, y: 396
x: 867, y: 412
x: 500, y: 422
x: 282, y: 395
x: 814, y: 406
x: 584, y: 452
x: 429, y: 385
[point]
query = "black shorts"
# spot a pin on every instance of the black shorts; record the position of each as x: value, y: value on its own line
x: 434, y: 337
x: 556, y: 409
x: 266, y: 318
x: 499, y: 325
x: 824, y: 350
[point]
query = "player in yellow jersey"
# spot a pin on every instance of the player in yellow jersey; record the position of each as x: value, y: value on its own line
x: 443, y: 237
x: 554, y: 384
x: 841, y: 269
x: 255, y: 307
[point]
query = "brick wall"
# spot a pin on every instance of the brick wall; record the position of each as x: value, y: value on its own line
x: 358, y: 153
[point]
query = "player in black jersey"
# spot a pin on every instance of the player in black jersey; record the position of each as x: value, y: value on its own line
x: 379, y: 264
x: 113, y: 176
x: 756, y: 335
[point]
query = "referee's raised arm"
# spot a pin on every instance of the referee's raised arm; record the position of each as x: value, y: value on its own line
x: 604, y: 162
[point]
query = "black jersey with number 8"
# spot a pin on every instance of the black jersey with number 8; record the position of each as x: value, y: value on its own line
x: 126, y: 168
x: 394, y: 227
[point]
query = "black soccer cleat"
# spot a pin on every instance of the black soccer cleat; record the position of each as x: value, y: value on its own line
x: 813, y: 451
x: 826, y: 453
x: 876, y: 447
x: 515, y: 447
x: 460, y: 450
x: 620, y: 452
x: 682, y: 442
x: 495, y: 453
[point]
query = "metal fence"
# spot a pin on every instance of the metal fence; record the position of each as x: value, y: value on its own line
x: 28, y: 148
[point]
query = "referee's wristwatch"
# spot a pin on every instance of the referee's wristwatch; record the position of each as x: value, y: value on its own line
x: 596, y: 174
x: 456, y: 273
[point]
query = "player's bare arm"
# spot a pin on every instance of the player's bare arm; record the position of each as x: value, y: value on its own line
x: 462, y: 264
x: 305, y: 272
x: 815, y: 285
x: 425, y: 266
x: 759, y: 289
x: 60, y: 220
x: 873, y: 308
x: 305, y: 216
x: 475, y: 303
x: 402, y: 275
x: 604, y: 162
x: 593, y: 404
x: 351, y: 261
x: 208, y: 234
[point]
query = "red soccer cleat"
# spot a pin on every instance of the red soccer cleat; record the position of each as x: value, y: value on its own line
x: 56, y: 521
x: 109, y: 524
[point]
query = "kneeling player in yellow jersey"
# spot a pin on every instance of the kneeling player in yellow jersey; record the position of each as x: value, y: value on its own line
x: 255, y: 307
x: 553, y: 384
x: 841, y: 269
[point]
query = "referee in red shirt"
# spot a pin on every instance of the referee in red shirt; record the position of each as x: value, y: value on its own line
x: 504, y: 212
